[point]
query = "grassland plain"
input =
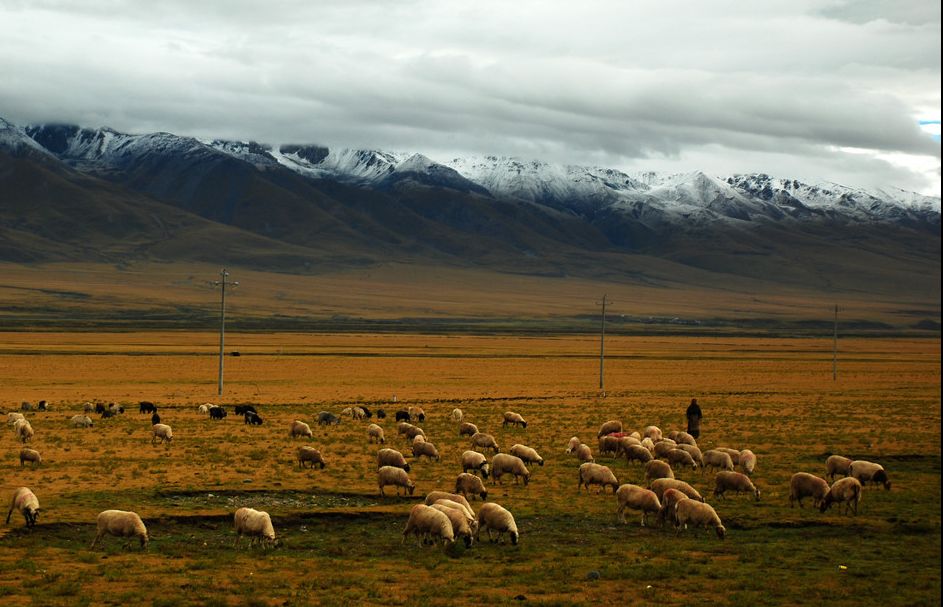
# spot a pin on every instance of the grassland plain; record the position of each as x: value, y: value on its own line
x: 341, y: 542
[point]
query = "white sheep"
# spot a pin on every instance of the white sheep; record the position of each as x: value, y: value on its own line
x: 413, y: 431
x: 419, y: 438
x: 391, y: 475
x: 572, y: 445
x: 425, y: 521
x: 683, y: 438
x: 358, y: 413
x: 657, y: 469
x: 426, y: 449
x: 120, y: 523
x: 434, y: 496
x: 527, y: 454
x: 467, y: 429
x: 596, y: 474
x: 747, y: 462
x: 204, y: 409
x: 14, y: 416
x: 611, y: 426
x: 457, y: 415
x: 469, y: 484
x: 472, y: 460
x: 609, y: 444
x: 460, y: 504
x: 698, y: 514
x: 649, y: 444
x: 513, y: 419
x: 375, y: 433
x: 681, y: 457
x: 803, y: 484
x: 637, y: 498
x: 310, y: 456
x: 460, y: 524
x: 505, y: 463
x: 26, y: 503
x: 652, y: 432
x: 299, y: 428
x: 733, y: 453
x: 256, y: 524
x: 663, y: 446
x: 81, y: 421
x: 734, y: 481
x: 163, y: 433
x: 846, y: 491
x: 24, y: 431
x: 484, y: 441
x: 417, y: 413
x: 714, y: 458
x: 584, y: 454
x: 836, y: 464
x: 637, y: 453
x: 30, y: 455
x: 695, y: 452
x: 493, y: 517
x: 869, y: 472
x: 661, y: 485
x: 669, y: 499
x: 391, y: 457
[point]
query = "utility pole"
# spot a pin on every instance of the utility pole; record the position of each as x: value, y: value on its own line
x: 222, y: 321
x: 602, y: 343
x: 835, y: 347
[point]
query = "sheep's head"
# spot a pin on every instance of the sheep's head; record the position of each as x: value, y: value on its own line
x: 756, y: 492
x: 485, y: 469
x: 721, y: 531
x: 410, y: 487
x: 406, y: 468
x: 524, y: 424
x: 514, y: 537
x: 484, y: 495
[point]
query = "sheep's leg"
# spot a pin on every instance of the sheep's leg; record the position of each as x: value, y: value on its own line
x: 95, y: 541
x: 621, y: 513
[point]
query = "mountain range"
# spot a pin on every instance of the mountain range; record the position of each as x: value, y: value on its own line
x: 94, y: 194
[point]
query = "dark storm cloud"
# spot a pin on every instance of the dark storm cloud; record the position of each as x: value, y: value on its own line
x: 598, y: 82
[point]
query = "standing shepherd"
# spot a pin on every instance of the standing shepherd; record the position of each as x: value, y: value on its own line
x: 694, y: 418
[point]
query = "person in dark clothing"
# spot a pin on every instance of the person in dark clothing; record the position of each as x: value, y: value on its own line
x: 694, y: 418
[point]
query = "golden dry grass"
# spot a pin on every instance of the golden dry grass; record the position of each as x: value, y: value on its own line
x: 342, y: 543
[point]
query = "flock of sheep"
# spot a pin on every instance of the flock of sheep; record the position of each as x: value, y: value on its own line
x: 447, y: 517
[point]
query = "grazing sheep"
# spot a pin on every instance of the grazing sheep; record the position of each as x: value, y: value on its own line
x: 243, y: 409
x: 461, y: 506
x: 656, y: 469
x: 637, y: 498
x: 414, y: 431
x: 88, y: 407
x: 26, y: 406
x: 402, y: 427
x: 469, y: 484
x: 584, y: 454
x: 402, y: 416
x: 381, y: 414
x: 426, y: 521
x: 146, y: 406
x: 391, y: 475
x: 252, y: 419
x: 695, y: 452
x: 513, y: 419
x: 527, y: 454
x: 457, y: 415
x: 869, y: 472
x: 24, y: 431
x: 627, y: 441
x: 669, y: 500
x: 673, y: 434
x: 347, y: 411
x: 43, y: 406
x: 375, y: 433
x: 734, y: 481
x: 358, y: 413
x: 14, y: 416
x: 733, y: 453
x: 493, y: 517
x: 714, y: 458
x: 204, y: 409
x: 613, y: 425
x: 419, y: 438
x: 698, y: 514
x: 81, y: 421
x: 417, y: 414
x: 652, y: 432
x: 595, y: 474
x: 663, y: 446
x: 423, y: 448
x: 484, y: 441
x: 467, y: 429
x: 681, y: 458
x: 218, y: 412
x: 505, y: 463
x: 310, y: 456
x: 683, y: 438
x: 747, y: 462
x: 836, y: 464
x: 120, y: 523
x: 163, y: 433
x: 434, y: 496
x: 299, y: 428
x: 460, y: 525
x: 847, y: 491
x: 391, y: 457
x: 472, y: 460
x: 30, y: 455
x: 366, y: 412
x: 26, y: 503
x: 326, y: 418
x: 803, y: 484
x: 572, y: 445
x: 256, y: 524
x: 660, y: 485
x: 637, y: 453
x: 609, y: 444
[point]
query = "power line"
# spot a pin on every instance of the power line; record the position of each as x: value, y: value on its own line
x: 222, y: 321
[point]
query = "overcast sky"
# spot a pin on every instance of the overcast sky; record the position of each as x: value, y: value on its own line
x: 813, y: 89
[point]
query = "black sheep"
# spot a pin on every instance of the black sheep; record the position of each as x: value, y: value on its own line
x: 147, y: 407
x: 367, y: 412
x: 243, y: 409
x: 252, y: 418
x: 99, y: 408
x: 381, y: 414
x: 217, y: 413
x: 326, y: 418
x: 402, y: 416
